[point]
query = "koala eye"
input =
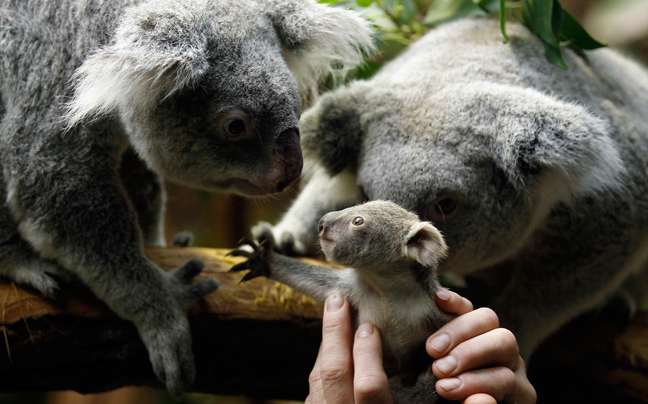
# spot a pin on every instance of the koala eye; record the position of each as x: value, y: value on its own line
x: 357, y: 221
x: 234, y: 127
x: 443, y: 208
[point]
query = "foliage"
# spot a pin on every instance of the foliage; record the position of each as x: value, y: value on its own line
x: 401, y: 22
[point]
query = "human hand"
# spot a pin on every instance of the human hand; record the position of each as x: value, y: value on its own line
x: 476, y: 361
x: 345, y: 372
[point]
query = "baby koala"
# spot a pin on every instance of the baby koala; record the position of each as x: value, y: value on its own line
x: 391, y: 280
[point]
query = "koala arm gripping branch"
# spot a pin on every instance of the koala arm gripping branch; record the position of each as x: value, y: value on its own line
x: 312, y: 280
x: 68, y: 203
x: 296, y: 233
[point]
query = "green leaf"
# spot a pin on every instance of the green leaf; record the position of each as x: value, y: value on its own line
x: 490, y: 6
x: 571, y: 30
x: 364, y: 3
x: 527, y: 18
x: 556, y: 21
x: 450, y: 10
x: 409, y: 13
x: 502, y: 8
x: 554, y: 56
x: 542, y: 14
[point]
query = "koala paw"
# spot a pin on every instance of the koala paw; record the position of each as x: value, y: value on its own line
x: 41, y: 275
x: 257, y: 260
x: 188, y: 293
x: 183, y: 239
x: 165, y: 331
x: 284, y: 242
x: 171, y: 355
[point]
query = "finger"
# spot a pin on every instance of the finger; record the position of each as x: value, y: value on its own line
x: 459, y: 330
x: 315, y: 392
x: 189, y: 270
x: 494, y: 348
x: 480, y: 399
x: 452, y: 303
x: 336, y: 368
x: 203, y: 288
x: 497, y: 382
x: 370, y: 380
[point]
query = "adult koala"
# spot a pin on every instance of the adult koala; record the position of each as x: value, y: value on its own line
x: 536, y: 176
x: 207, y: 92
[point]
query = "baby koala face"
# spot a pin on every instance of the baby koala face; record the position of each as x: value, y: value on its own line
x: 377, y: 233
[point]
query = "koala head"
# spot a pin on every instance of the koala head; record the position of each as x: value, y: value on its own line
x: 375, y: 234
x: 485, y: 163
x: 210, y: 92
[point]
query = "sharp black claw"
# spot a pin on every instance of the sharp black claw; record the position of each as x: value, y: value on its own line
x: 240, y: 267
x: 239, y: 253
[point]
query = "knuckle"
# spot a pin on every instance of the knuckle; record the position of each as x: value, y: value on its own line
x: 508, y: 382
x: 332, y: 323
x: 331, y: 375
x: 369, y: 387
x: 314, y: 377
x: 507, y: 342
x: 489, y: 316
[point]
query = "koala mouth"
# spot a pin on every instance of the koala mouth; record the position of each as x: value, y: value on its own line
x: 247, y: 188
x: 326, y: 243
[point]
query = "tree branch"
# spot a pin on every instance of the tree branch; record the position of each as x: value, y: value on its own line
x: 260, y: 339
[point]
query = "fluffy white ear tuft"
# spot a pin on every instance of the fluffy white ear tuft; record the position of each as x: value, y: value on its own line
x: 140, y: 68
x: 320, y: 40
x: 425, y: 244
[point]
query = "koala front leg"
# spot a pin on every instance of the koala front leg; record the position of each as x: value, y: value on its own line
x: 296, y: 233
x: 71, y: 208
x: 147, y: 195
x: 311, y: 280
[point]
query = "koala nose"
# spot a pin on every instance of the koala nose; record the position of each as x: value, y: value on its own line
x: 321, y: 226
x: 290, y: 158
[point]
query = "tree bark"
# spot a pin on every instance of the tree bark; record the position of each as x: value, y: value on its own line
x: 261, y: 338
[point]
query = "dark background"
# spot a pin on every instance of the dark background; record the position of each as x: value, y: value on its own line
x: 221, y: 220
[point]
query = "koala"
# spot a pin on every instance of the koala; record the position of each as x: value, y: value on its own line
x: 101, y: 101
x: 393, y: 259
x: 535, y: 176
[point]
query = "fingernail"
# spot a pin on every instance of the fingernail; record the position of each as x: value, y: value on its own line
x: 449, y: 384
x: 443, y: 295
x: 447, y: 364
x: 334, y: 302
x: 365, y: 330
x: 440, y: 343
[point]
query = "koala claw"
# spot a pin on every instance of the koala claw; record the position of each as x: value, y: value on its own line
x: 186, y: 273
x: 257, y: 260
x: 287, y: 242
x: 171, y: 357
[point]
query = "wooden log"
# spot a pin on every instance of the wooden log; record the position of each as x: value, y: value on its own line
x: 260, y: 339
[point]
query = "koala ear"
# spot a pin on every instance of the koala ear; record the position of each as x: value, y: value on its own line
x: 561, y: 147
x: 154, y: 55
x: 331, y: 130
x: 319, y: 40
x: 425, y: 244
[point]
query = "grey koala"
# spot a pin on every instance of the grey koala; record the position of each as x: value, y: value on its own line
x: 99, y: 100
x: 391, y: 282
x: 535, y: 176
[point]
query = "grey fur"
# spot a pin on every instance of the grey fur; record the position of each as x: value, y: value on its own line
x: 548, y: 166
x: 391, y: 282
x: 82, y: 81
